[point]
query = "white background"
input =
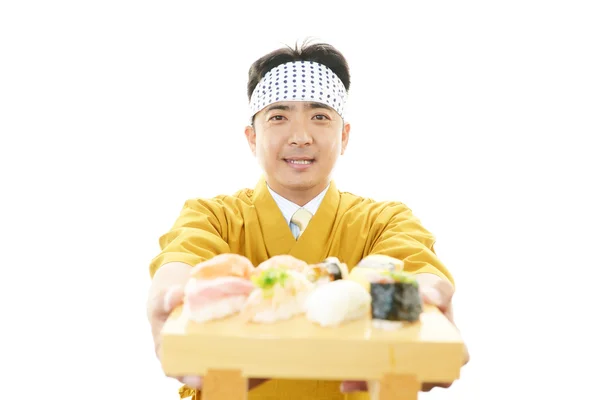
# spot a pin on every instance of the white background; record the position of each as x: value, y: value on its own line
x: 482, y: 117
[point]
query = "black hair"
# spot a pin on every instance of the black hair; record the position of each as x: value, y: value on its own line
x: 321, y: 53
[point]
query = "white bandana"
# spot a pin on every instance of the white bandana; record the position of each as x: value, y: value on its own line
x: 299, y: 81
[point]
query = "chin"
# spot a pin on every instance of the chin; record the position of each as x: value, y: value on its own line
x: 301, y: 183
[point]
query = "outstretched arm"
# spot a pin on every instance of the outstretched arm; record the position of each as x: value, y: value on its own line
x: 198, y: 234
x: 402, y: 236
x: 405, y: 238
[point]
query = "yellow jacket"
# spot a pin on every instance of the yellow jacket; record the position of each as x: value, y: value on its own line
x: 345, y: 226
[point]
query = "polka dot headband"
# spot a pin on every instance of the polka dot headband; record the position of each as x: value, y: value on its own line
x: 299, y: 81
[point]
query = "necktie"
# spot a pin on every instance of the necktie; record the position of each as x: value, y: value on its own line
x: 301, y: 218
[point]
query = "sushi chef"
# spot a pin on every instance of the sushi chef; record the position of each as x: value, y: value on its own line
x: 297, y: 130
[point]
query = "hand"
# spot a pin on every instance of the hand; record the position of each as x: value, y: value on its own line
x: 160, y: 308
x: 439, y: 292
x: 434, y: 291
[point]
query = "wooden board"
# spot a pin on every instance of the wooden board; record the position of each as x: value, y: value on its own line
x: 430, y: 350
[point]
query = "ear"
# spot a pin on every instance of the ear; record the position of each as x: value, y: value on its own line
x: 345, y: 136
x: 251, y: 137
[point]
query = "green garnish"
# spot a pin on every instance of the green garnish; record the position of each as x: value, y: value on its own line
x: 269, y: 278
x: 401, y: 277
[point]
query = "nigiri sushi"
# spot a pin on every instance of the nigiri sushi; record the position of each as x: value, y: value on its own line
x: 280, y: 294
x: 283, y: 261
x: 228, y: 264
x: 381, y: 261
x: 218, y: 287
x: 336, y: 302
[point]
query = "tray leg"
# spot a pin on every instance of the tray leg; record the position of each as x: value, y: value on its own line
x: 396, y: 387
x: 224, y: 385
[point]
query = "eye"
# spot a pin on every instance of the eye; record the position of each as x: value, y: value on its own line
x: 321, y: 117
x: 277, y: 118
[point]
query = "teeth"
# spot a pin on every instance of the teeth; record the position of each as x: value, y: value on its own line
x: 300, y: 161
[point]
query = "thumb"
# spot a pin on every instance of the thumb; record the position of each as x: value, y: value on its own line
x: 160, y: 309
x: 173, y: 297
x: 165, y: 301
x: 353, y: 386
x: 432, y: 296
x: 439, y: 295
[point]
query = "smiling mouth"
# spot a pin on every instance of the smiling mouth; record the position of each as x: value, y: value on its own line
x: 300, y: 162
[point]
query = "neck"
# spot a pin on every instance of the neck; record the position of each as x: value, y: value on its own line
x: 301, y: 195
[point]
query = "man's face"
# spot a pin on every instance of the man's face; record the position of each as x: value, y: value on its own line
x: 297, y: 144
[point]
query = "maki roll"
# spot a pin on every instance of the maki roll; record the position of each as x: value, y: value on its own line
x: 327, y: 271
x: 395, y: 297
x: 337, y: 270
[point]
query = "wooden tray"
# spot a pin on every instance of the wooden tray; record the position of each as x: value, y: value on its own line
x: 394, y: 362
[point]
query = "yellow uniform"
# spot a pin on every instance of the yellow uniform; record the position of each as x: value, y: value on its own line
x: 345, y: 226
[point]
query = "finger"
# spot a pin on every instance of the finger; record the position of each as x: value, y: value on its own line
x: 432, y: 296
x: 162, y: 306
x: 353, y: 386
x: 440, y: 295
x: 426, y: 387
x: 446, y: 290
x: 171, y: 299
x: 194, y: 382
x: 163, y: 302
x: 254, y: 382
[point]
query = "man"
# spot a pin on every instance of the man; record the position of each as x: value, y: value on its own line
x: 297, y: 132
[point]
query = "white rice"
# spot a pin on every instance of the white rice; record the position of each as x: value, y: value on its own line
x: 284, y: 310
x: 215, y: 310
x: 334, y: 303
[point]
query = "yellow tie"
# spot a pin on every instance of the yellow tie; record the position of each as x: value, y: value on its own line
x: 301, y: 218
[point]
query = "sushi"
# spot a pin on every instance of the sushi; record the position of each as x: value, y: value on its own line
x: 395, y: 297
x: 218, y: 287
x: 327, y: 271
x: 224, y: 265
x: 280, y: 293
x: 337, y: 302
x: 283, y: 261
x: 381, y: 262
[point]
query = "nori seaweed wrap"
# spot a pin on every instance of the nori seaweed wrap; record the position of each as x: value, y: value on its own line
x: 395, y: 297
x: 327, y: 271
x: 335, y: 268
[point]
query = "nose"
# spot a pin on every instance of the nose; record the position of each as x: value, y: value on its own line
x: 300, y: 135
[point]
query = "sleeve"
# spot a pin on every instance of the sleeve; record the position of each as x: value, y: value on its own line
x: 196, y: 236
x: 404, y: 237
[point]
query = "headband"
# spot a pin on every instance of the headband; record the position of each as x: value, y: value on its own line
x: 299, y: 81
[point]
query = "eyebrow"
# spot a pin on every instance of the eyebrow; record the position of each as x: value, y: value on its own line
x: 311, y: 105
